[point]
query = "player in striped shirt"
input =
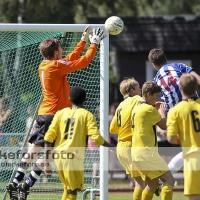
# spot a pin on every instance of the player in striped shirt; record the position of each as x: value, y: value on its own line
x: 168, y: 77
x: 55, y: 89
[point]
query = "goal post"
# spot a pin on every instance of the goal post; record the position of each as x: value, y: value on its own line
x: 19, y: 82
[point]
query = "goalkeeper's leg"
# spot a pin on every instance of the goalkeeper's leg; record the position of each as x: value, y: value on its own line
x: 35, y: 173
x: 24, y: 164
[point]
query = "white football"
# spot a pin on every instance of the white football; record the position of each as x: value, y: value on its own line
x: 114, y: 25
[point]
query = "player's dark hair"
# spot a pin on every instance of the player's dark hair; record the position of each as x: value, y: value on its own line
x: 77, y: 95
x: 48, y: 47
x: 157, y: 57
x: 151, y: 88
x: 188, y: 84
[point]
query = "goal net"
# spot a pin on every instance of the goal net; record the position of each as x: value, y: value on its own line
x: 20, y: 97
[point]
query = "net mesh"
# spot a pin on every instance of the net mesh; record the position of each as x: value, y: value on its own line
x: 20, y: 95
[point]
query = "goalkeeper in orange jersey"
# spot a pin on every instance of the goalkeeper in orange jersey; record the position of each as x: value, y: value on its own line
x: 121, y: 125
x: 183, y: 125
x: 68, y: 132
x: 55, y: 89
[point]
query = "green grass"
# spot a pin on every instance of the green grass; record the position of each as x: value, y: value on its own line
x: 111, y: 196
x: 124, y: 184
x: 128, y: 196
x: 114, y: 185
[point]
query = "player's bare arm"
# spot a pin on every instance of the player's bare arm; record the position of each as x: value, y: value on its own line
x: 162, y: 110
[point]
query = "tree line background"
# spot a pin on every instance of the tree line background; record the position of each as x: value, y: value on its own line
x: 69, y: 12
x: 77, y: 11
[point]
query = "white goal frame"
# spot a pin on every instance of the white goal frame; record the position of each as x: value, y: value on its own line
x: 104, y: 84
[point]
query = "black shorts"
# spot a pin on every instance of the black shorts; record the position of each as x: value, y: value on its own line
x: 167, y: 149
x: 42, y: 124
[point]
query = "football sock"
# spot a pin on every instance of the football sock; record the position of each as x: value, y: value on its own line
x: 137, y: 194
x: 167, y: 192
x: 64, y: 195
x: 33, y: 176
x: 23, y: 166
x: 147, y: 195
x: 176, y: 163
x: 71, y: 197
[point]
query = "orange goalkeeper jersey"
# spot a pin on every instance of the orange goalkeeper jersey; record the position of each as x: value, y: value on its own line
x: 54, y: 83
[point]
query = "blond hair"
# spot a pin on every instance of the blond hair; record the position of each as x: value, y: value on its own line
x: 188, y: 84
x: 126, y: 85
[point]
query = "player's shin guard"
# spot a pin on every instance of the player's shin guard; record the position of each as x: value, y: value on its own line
x: 137, y: 194
x: 23, y: 166
x: 33, y: 176
x: 167, y: 192
x: 147, y: 195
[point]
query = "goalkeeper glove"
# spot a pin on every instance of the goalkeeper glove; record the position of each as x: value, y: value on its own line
x: 97, y: 36
x: 86, y: 33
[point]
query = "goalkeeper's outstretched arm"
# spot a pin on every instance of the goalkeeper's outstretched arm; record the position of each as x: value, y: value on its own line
x: 78, y: 49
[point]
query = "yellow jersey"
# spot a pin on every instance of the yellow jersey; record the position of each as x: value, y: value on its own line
x: 144, y: 119
x: 121, y: 122
x: 69, y: 129
x: 184, y: 119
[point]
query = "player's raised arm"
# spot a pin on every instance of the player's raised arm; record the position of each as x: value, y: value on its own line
x: 85, y: 60
x: 97, y: 36
x: 78, y: 49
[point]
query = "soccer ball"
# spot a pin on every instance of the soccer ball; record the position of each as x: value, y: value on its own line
x: 114, y: 25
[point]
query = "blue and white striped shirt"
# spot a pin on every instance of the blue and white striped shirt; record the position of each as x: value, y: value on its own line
x: 168, y: 78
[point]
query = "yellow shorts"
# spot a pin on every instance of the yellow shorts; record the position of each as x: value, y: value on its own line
x: 192, y: 174
x: 152, y: 168
x: 70, y: 172
x: 124, y: 157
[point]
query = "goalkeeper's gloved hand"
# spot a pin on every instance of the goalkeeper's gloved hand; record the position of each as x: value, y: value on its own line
x: 86, y: 33
x: 97, y: 36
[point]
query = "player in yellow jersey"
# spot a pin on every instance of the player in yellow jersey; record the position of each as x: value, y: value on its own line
x: 145, y: 154
x: 183, y: 125
x: 53, y: 71
x: 121, y: 125
x: 68, y: 131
